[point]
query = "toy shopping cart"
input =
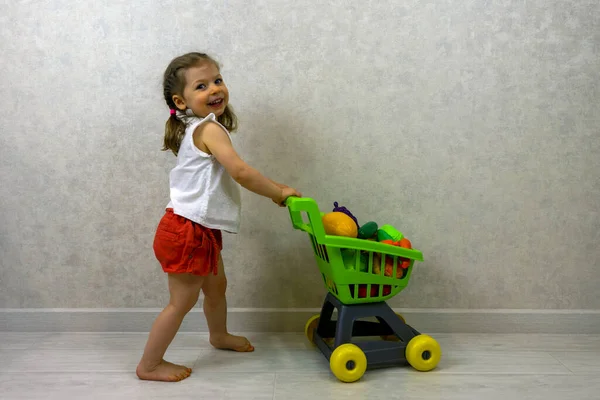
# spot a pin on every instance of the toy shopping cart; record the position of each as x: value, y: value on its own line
x: 355, y: 275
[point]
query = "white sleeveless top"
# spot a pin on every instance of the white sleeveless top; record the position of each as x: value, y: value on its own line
x: 201, y: 190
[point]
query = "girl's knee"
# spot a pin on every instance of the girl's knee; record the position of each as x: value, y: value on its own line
x: 185, y: 290
x: 216, y: 289
x: 183, y: 307
x: 184, y: 302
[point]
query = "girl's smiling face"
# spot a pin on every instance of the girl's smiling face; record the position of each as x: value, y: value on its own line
x: 204, y: 91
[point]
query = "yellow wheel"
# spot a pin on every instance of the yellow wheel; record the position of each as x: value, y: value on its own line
x: 423, y: 352
x: 348, y: 362
x: 393, y: 338
x: 311, y: 325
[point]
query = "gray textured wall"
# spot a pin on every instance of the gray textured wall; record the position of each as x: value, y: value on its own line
x: 473, y: 126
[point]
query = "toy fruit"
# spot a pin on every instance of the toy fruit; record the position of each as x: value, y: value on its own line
x: 362, y: 290
x: 389, y: 267
x: 376, y: 263
x: 405, y: 262
x: 392, y: 232
x: 349, y: 257
x: 364, y: 262
x: 400, y: 271
x: 339, y: 224
x: 368, y: 230
x: 374, y: 290
x: 382, y: 236
x: 404, y: 242
x: 344, y: 210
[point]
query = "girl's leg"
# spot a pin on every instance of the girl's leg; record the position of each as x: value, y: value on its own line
x: 215, y: 310
x: 184, y: 290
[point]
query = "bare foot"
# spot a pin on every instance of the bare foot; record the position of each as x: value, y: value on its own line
x: 231, y: 342
x: 165, y: 371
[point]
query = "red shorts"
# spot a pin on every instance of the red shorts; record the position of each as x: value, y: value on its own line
x: 183, y: 246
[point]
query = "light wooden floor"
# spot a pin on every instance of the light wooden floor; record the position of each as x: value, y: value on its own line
x: 284, y: 367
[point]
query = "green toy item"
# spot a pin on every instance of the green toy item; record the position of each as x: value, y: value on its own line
x: 382, y: 235
x: 392, y: 233
x: 368, y: 230
x: 335, y: 262
x: 347, y: 266
x: 349, y: 258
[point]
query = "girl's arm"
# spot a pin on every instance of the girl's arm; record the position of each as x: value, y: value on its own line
x: 219, y: 145
x: 280, y: 185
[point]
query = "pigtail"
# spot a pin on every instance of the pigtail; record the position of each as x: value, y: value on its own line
x: 174, y: 132
x: 228, y: 119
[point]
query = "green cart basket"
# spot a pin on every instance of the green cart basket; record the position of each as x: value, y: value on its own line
x: 358, y: 285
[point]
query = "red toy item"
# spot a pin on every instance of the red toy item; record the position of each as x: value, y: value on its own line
x: 404, y: 242
x: 362, y: 290
x: 403, y: 263
x: 389, y: 261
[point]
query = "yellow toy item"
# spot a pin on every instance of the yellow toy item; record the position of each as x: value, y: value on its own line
x: 337, y: 223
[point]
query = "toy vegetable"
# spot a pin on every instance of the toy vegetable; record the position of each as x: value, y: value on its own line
x: 337, y: 208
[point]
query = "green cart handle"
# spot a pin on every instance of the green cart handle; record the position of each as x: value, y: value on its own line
x: 298, y: 205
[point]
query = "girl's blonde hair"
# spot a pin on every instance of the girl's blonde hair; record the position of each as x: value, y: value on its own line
x: 173, y: 84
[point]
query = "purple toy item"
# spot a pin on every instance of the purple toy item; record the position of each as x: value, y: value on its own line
x: 345, y: 211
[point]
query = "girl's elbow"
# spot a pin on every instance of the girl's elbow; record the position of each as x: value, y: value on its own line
x: 240, y: 174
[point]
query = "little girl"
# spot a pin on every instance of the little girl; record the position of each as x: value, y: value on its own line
x: 204, y: 201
